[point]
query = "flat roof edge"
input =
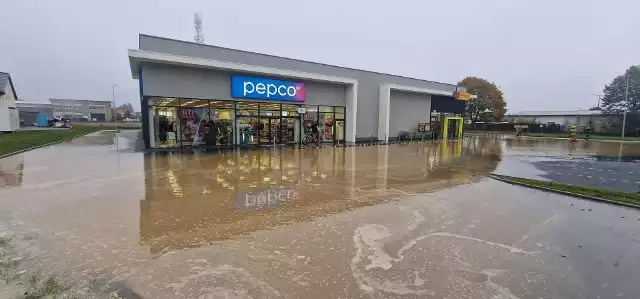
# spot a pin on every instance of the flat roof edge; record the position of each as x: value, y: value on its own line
x: 289, y: 58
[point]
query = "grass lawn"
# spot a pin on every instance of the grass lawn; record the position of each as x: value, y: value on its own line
x: 610, y: 195
x: 12, y: 142
x: 581, y: 136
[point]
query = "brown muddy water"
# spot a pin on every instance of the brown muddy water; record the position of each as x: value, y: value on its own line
x: 399, y: 221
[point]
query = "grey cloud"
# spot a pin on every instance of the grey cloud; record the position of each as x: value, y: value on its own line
x: 543, y: 54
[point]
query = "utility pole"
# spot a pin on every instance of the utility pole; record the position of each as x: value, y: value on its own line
x: 626, y: 101
x: 113, y: 94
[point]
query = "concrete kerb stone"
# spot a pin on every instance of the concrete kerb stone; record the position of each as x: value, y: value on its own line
x: 507, y: 180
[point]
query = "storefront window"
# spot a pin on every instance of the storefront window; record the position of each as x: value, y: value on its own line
x: 191, y: 122
x: 326, y: 109
x: 179, y: 122
x: 220, y: 125
x: 164, y: 126
x: 289, y: 110
x: 270, y: 110
x: 193, y: 116
x: 247, y: 108
x: 325, y: 124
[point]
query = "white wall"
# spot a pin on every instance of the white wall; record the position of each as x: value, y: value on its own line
x: 9, y: 119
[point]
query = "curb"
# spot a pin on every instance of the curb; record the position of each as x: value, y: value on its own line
x: 506, y: 179
x: 43, y: 145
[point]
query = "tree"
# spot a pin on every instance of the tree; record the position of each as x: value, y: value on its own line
x: 489, y: 104
x: 614, y: 102
x: 125, y: 107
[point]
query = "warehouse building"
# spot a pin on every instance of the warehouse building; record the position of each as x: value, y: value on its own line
x: 81, y: 109
x: 194, y: 94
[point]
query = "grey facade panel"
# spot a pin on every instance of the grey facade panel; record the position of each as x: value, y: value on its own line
x: 406, y: 110
x: 27, y: 118
x: 173, y: 81
x: 368, y: 82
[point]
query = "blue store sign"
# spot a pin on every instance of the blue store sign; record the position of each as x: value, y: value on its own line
x: 269, y: 89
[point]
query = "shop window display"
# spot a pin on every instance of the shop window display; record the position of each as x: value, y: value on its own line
x: 194, y: 123
x: 164, y: 125
x: 325, y: 124
x: 188, y: 122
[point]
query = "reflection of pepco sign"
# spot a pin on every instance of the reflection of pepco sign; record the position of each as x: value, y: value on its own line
x: 259, y: 88
x: 271, y: 198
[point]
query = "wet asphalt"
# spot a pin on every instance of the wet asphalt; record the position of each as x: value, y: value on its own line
x: 398, y: 221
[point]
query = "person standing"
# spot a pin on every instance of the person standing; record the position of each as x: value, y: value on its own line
x: 316, y: 133
x: 587, y: 132
x: 573, y: 133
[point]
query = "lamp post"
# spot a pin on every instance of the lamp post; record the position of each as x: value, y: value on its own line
x: 626, y: 100
x: 599, y: 98
x: 113, y: 94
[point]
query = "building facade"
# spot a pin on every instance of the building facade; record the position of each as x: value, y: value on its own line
x: 193, y: 94
x: 34, y: 113
x: 9, y: 118
x: 82, y: 109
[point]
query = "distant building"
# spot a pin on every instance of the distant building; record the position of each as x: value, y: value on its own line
x: 9, y: 119
x: 81, y: 109
x: 581, y: 118
x: 30, y: 112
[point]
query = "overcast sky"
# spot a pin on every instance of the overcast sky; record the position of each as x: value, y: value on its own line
x: 545, y: 54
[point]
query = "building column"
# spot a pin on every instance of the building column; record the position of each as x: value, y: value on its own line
x: 352, y: 112
x: 383, y: 113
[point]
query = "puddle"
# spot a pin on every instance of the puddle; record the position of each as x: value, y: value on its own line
x: 382, y: 221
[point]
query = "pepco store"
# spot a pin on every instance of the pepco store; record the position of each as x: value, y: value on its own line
x: 195, y: 95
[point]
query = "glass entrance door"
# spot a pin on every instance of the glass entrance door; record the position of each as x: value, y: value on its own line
x: 269, y: 130
x: 290, y: 130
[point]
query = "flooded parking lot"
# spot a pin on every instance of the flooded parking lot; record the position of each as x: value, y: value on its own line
x: 399, y: 221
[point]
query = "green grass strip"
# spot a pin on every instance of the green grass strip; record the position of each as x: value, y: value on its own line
x: 24, y: 140
x: 581, y: 136
x: 625, y: 198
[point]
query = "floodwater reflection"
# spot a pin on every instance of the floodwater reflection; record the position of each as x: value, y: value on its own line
x: 195, y: 199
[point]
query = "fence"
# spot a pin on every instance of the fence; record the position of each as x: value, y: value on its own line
x: 606, y: 125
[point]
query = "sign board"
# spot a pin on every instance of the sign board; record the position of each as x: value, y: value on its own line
x: 302, y: 110
x: 462, y: 96
x: 266, y: 89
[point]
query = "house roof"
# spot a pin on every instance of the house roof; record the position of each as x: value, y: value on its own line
x: 557, y: 113
x: 4, y: 80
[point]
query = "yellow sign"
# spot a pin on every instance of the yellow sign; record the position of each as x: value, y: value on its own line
x: 462, y: 96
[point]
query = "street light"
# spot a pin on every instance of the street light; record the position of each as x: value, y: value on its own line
x: 599, y: 98
x: 626, y: 100
x: 113, y: 94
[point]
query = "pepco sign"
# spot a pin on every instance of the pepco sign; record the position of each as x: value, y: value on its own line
x: 269, y: 89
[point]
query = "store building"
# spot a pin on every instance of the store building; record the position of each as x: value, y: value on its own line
x: 200, y: 95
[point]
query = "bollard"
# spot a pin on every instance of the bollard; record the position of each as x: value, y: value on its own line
x: 371, y: 139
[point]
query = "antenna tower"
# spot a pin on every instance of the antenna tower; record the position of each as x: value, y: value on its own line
x: 197, y: 23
